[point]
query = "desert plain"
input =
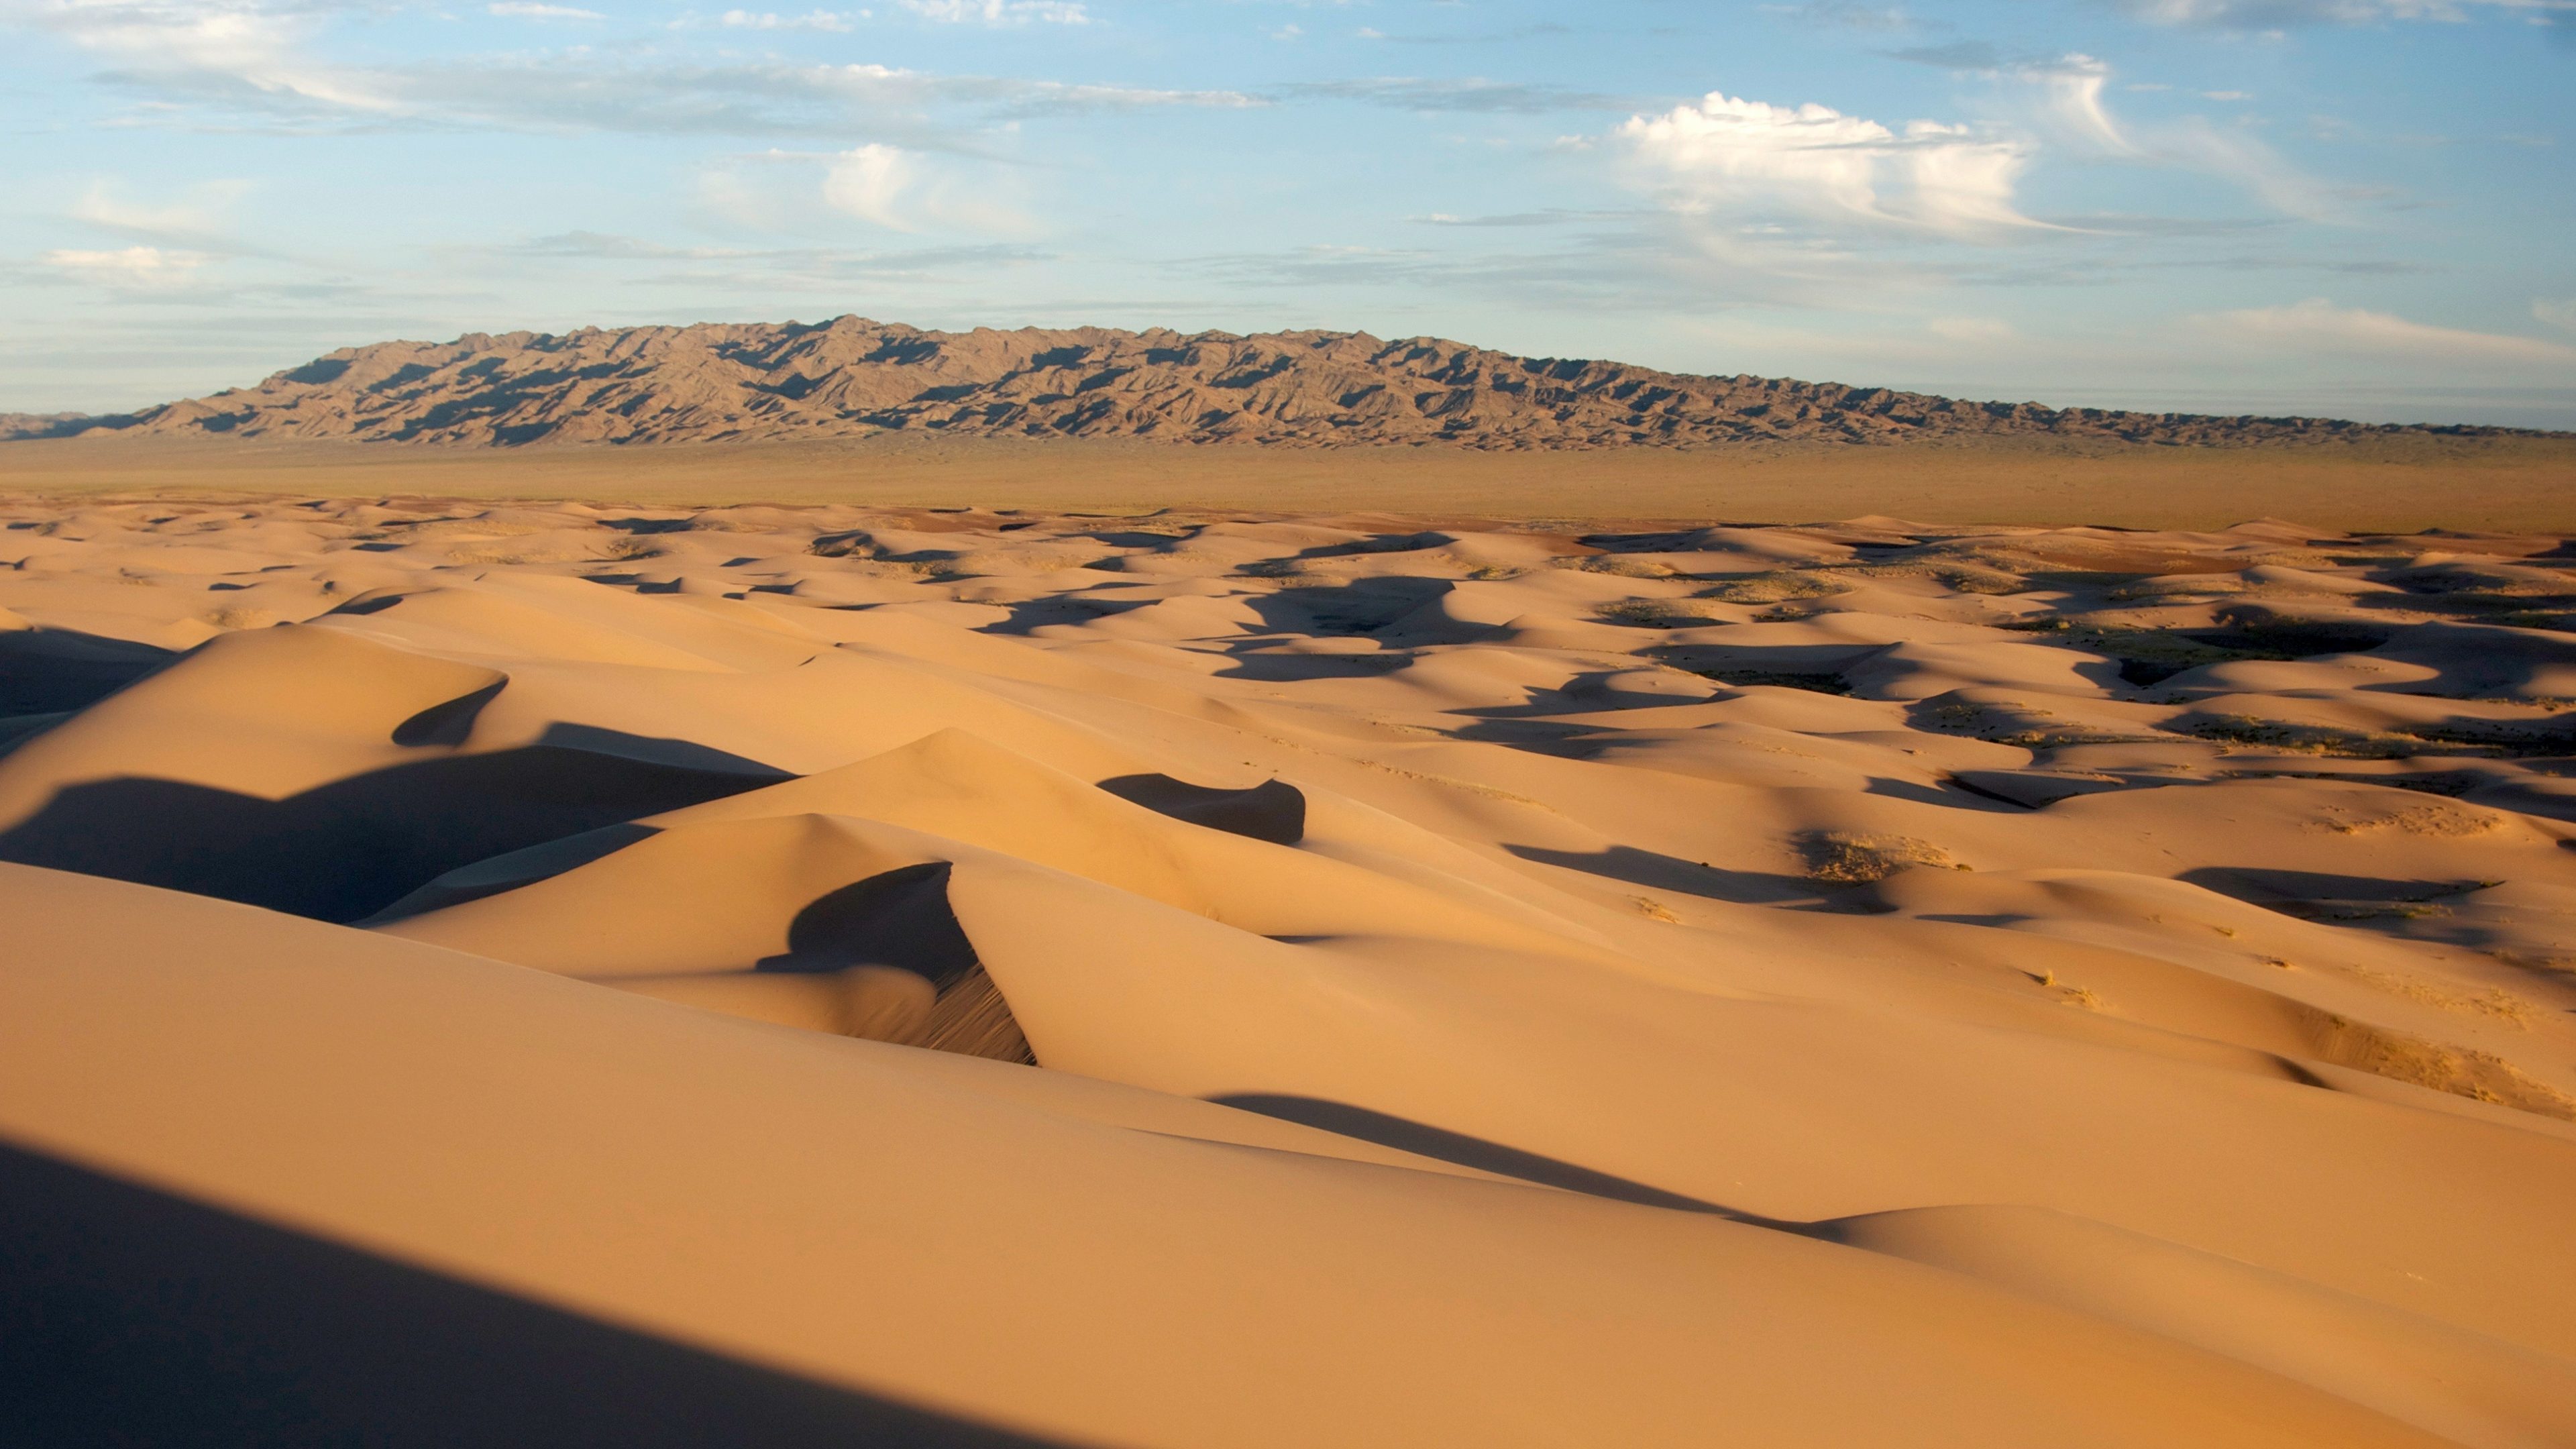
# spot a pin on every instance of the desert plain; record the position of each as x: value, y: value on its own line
x: 1200, y: 975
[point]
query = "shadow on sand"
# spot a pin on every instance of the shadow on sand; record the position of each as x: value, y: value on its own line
x: 1658, y: 871
x: 134, y: 1317
x: 1443, y: 1145
x: 51, y: 671
x: 1273, y: 810
x: 345, y: 850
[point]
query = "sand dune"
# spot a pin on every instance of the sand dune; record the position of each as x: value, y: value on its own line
x: 1226, y: 978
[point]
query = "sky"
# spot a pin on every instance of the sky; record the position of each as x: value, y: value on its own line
x: 2355, y: 208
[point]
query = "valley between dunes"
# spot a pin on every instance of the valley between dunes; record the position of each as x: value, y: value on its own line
x: 838, y: 974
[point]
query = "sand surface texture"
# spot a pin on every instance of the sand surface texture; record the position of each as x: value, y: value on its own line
x: 1223, y: 979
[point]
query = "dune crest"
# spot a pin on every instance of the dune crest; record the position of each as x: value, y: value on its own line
x: 1243, y: 979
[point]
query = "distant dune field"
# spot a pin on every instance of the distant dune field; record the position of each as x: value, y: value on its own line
x: 1236, y: 979
x: 2525, y: 483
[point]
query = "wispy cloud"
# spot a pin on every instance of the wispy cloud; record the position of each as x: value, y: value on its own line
x: 2072, y: 106
x: 2317, y: 325
x: 2235, y: 156
x: 580, y: 94
x: 2557, y: 312
x: 1470, y: 94
x: 252, y: 48
x: 1849, y: 15
x: 1477, y: 37
x: 763, y: 267
x: 1748, y: 160
x: 254, y: 56
x: 129, y: 269
x: 895, y: 188
x: 1552, y: 217
x: 825, y: 20
x: 528, y: 10
x: 867, y: 181
x: 999, y: 12
x: 2289, y: 14
x: 1601, y: 273
x: 2070, y: 85
x: 196, y: 219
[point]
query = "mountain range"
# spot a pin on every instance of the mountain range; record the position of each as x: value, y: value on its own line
x: 851, y: 377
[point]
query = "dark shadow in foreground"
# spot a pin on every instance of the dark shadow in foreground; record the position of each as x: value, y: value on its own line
x: 132, y: 1317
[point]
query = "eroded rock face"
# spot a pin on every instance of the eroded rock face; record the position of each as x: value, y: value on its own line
x: 851, y: 377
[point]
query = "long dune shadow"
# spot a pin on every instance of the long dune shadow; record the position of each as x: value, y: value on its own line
x: 348, y: 849
x: 512, y: 869
x: 133, y: 1317
x: 1361, y: 606
x: 1442, y: 1145
x: 49, y: 671
x: 1672, y: 873
x: 2290, y: 890
x: 1273, y: 811
x: 1541, y: 735
x: 1957, y: 796
x: 1029, y: 615
x: 1259, y: 665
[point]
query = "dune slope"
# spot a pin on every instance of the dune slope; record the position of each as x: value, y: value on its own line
x: 1239, y: 979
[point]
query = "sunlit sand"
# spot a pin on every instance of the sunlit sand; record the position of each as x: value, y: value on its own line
x: 1299, y: 978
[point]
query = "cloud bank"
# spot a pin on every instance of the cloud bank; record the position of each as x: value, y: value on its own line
x: 1747, y: 158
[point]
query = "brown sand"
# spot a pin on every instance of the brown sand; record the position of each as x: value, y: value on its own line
x: 1386, y: 980
x: 2400, y: 485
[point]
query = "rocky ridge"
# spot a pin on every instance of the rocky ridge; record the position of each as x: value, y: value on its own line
x: 851, y: 377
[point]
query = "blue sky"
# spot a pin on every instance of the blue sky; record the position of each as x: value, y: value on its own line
x: 2354, y: 207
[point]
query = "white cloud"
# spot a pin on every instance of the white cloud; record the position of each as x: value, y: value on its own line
x: 2317, y: 325
x: 528, y: 10
x: 812, y: 20
x: 2557, y: 312
x: 197, y: 218
x: 2232, y: 155
x: 2073, y: 108
x: 902, y: 191
x: 253, y: 56
x: 999, y: 12
x: 1747, y: 159
x: 129, y: 269
x: 867, y: 182
x: 1469, y: 94
x: 2073, y: 86
x: 251, y: 46
x: 2283, y: 14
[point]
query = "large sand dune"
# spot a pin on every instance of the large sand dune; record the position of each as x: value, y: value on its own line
x: 1217, y: 978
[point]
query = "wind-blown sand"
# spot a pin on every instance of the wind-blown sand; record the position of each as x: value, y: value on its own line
x: 1807, y: 985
